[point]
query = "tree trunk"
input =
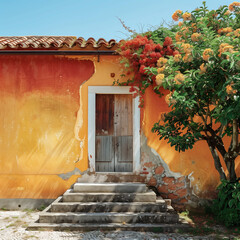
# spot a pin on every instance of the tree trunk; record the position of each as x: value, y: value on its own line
x: 231, y: 169
x: 217, y: 162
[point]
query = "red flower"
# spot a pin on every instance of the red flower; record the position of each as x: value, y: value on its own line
x: 153, y: 55
x: 142, y: 69
x: 175, y: 52
x: 167, y: 42
x: 147, y: 47
x: 158, y: 47
x: 126, y: 53
x: 132, y: 89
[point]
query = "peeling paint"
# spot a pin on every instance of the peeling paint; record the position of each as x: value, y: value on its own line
x: 66, y: 176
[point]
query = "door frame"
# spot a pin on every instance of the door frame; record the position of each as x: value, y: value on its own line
x: 92, y: 91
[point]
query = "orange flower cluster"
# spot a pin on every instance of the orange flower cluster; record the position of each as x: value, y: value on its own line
x: 225, y: 47
x: 178, y: 37
x: 179, y: 78
x: 207, y: 53
x: 161, y: 64
x: 233, y: 5
x: 187, y: 48
x: 161, y: 61
x: 203, y: 68
x: 237, y: 32
x: 187, y: 57
x: 161, y: 69
x: 177, y: 58
x: 180, y: 24
x: 176, y: 15
x: 225, y: 30
x: 168, y: 98
x: 230, y: 90
x: 194, y: 27
x: 196, y: 37
x: 186, y: 16
x: 159, y: 79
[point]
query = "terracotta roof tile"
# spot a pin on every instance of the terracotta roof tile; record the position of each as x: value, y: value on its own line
x: 56, y: 42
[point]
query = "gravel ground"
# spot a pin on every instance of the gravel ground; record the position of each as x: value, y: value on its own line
x: 13, y: 226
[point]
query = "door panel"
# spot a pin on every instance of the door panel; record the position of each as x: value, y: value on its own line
x: 123, y: 154
x: 104, y: 133
x: 104, y: 114
x: 123, y: 125
x: 104, y: 154
x: 114, y: 133
x: 123, y: 129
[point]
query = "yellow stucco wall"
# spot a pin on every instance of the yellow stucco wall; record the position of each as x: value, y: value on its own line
x: 43, y: 122
x: 44, y: 125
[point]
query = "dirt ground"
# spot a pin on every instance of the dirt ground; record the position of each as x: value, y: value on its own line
x: 13, y: 226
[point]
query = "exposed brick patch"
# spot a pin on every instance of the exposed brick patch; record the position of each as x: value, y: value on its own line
x: 152, y: 182
x: 175, y: 186
x: 163, y: 189
x: 172, y: 196
x: 159, y: 170
x: 168, y: 185
x: 181, y: 192
x: 168, y: 180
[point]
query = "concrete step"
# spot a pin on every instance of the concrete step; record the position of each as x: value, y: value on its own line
x: 109, y: 227
x: 109, y: 187
x: 70, y: 196
x: 49, y: 217
x: 159, y: 206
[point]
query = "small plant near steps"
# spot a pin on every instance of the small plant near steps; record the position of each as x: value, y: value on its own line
x: 109, y: 206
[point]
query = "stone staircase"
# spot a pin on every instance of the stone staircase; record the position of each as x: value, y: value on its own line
x: 109, y: 206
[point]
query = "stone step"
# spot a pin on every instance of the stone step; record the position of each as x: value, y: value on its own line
x: 109, y: 227
x: 112, y: 178
x: 49, y: 217
x: 109, y: 187
x: 159, y: 206
x: 70, y: 196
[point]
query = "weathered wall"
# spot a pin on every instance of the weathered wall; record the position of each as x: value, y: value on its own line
x: 39, y: 100
x: 195, y: 165
x: 44, y: 127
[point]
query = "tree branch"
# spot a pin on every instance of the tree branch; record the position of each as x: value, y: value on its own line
x: 209, y: 115
x: 235, y: 135
x: 217, y: 162
x: 221, y: 130
x: 217, y: 141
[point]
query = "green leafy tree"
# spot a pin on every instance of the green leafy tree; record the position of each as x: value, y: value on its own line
x: 204, y: 84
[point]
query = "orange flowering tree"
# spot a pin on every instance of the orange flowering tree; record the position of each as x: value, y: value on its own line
x: 204, y: 84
